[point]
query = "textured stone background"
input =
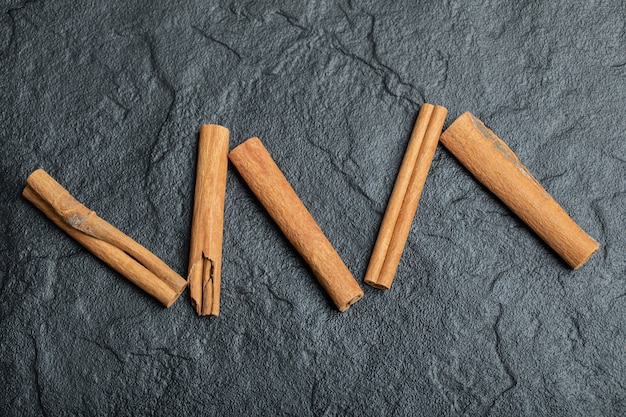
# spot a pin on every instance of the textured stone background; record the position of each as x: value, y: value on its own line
x: 483, y: 318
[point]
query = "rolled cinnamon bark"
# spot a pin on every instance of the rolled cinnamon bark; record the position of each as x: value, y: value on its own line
x: 109, y: 244
x: 495, y: 165
x: 205, y: 252
x: 405, y: 197
x: 270, y: 186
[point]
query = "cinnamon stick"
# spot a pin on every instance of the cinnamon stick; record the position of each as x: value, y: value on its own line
x: 270, y: 186
x: 205, y: 254
x: 405, y: 197
x: 495, y: 165
x: 109, y: 244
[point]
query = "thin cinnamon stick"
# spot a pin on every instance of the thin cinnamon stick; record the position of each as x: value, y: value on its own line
x: 205, y: 254
x: 405, y: 197
x: 495, y: 165
x: 270, y: 186
x: 109, y: 244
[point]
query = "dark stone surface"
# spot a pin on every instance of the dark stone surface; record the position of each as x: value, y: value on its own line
x: 483, y: 318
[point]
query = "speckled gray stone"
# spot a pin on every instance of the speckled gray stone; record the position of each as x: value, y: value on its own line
x: 482, y: 319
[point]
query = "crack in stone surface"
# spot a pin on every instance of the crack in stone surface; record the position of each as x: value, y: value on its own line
x: 505, y: 365
x: 10, y: 12
x: 36, y: 373
x: 212, y: 38
x: 276, y: 295
x: 390, y: 76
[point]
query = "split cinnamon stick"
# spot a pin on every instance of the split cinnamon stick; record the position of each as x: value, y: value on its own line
x: 105, y: 241
x: 270, y: 186
x: 495, y: 165
x: 405, y: 197
x: 205, y: 254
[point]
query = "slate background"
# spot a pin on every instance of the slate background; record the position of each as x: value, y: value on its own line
x: 483, y: 318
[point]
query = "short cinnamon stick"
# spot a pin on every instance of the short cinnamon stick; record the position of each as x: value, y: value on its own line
x: 109, y: 244
x: 270, y: 186
x: 495, y: 165
x: 405, y: 197
x: 205, y: 254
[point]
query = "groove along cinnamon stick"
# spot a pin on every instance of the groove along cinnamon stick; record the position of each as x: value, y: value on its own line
x: 105, y: 241
x: 205, y: 252
x: 270, y: 186
x: 495, y: 165
x: 405, y: 197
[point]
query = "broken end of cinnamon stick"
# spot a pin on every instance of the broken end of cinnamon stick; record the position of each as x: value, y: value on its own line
x: 354, y: 299
x: 592, y: 247
x: 33, y: 176
x: 175, y: 296
x: 205, y: 297
x: 379, y: 285
x: 213, y: 129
